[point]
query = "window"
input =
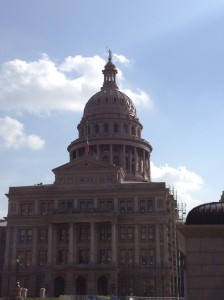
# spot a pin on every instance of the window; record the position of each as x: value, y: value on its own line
x: 147, y: 232
x: 26, y: 209
x: 83, y: 256
x: 105, y: 204
x: 65, y: 205
x: 96, y: 128
x: 62, y: 257
x: 86, y: 204
x: 116, y: 128
x: 25, y: 235
x: 104, y: 233
x: 105, y: 127
x: 126, y: 206
x: 126, y: 233
x: 125, y: 129
x: 42, y: 257
x: 84, y: 233
x: 147, y: 257
x: 104, y: 256
x: 43, y: 235
x: 62, y: 234
x: 126, y: 257
x: 24, y: 258
x: 46, y: 208
x: 133, y: 130
x: 116, y: 161
x: 147, y: 205
x: 160, y: 203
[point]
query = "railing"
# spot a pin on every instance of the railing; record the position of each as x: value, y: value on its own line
x: 96, y: 297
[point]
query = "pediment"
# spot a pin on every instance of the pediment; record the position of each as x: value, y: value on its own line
x: 87, y: 170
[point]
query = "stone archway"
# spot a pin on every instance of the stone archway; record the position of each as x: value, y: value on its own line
x: 59, y: 286
x: 102, y: 286
x: 80, y: 286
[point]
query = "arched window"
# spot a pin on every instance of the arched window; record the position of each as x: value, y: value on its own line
x: 105, y: 127
x: 125, y: 128
x: 96, y: 128
x: 105, y: 158
x: 102, y: 285
x: 116, y: 160
x: 59, y: 286
x: 133, y: 130
x: 80, y: 286
x: 116, y: 127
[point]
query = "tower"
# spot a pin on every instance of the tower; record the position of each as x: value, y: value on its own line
x: 103, y: 227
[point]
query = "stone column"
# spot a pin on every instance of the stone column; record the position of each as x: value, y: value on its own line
x: 75, y: 243
x: 7, y: 243
x: 123, y: 157
x: 114, y: 242
x: 136, y: 245
x: 144, y: 166
x: 50, y: 244
x: 92, y: 243
x: 111, y: 154
x: 14, y: 246
x: 97, y: 152
x: 136, y: 159
x: 34, y: 248
x: 158, y: 256
x: 71, y: 244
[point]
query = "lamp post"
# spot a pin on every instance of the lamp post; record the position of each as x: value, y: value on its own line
x: 17, y: 270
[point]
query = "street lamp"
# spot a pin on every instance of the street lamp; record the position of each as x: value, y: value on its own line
x: 17, y: 270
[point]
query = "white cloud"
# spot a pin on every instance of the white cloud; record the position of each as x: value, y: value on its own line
x: 183, y: 181
x: 44, y: 86
x: 121, y: 58
x: 13, y: 135
x: 139, y: 97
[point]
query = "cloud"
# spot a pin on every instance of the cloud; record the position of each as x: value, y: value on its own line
x: 121, y: 58
x: 186, y: 183
x: 13, y: 135
x: 44, y: 85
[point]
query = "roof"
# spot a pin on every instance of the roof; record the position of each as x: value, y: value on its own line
x: 208, y: 213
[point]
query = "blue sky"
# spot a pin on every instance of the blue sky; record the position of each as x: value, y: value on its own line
x: 170, y: 60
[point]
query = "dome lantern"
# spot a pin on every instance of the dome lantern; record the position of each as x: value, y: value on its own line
x: 109, y: 72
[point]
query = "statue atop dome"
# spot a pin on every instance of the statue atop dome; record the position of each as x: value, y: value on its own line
x: 110, y: 54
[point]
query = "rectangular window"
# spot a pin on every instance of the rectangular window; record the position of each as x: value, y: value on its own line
x: 25, y: 235
x: 104, y: 256
x: 83, y: 256
x: 84, y: 233
x: 46, y: 208
x: 147, y: 257
x: 62, y: 257
x: 26, y: 209
x: 62, y: 234
x: 126, y: 206
x: 147, y: 205
x: 25, y: 257
x: 105, y: 233
x: 126, y: 257
x: 43, y: 235
x: 86, y: 204
x: 66, y: 205
x: 147, y: 232
x: 126, y: 233
x: 42, y: 257
x: 105, y: 204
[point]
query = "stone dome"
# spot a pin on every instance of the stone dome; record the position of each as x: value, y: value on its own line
x: 109, y: 100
